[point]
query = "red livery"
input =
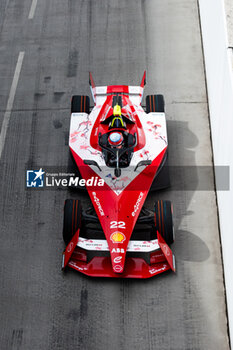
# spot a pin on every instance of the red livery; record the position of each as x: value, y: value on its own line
x: 120, y: 153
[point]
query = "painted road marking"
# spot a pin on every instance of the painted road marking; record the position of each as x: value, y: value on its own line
x: 32, y: 9
x: 10, y: 101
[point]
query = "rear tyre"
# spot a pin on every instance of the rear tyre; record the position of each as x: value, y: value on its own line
x: 155, y: 103
x: 80, y: 104
x: 72, y: 219
x: 164, y: 221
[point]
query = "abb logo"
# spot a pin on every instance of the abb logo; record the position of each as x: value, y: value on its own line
x: 118, y: 250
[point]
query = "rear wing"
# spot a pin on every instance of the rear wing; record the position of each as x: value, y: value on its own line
x: 136, y: 91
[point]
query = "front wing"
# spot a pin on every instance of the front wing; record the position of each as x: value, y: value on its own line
x: 161, y: 258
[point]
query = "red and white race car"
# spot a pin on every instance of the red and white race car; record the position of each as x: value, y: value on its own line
x: 120, y: 151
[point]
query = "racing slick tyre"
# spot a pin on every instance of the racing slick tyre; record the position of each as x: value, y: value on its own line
x: 164, y: 221
x: 80, y: 104
x: 72, y: 218
x: 154, y: 103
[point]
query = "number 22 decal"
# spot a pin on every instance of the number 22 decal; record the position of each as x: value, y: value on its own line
x: 117, y: 224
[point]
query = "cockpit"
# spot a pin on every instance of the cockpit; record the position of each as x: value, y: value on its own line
x: 117, y: 143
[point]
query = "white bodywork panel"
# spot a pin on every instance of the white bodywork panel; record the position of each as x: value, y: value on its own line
x: 154, y: 126
x: 135, y: 92
x: 133, y: 246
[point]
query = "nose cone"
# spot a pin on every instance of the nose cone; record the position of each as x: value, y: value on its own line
x: 118, y: 251
x: 118, y: 260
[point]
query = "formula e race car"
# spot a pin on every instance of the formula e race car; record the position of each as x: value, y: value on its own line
x: 120, y: 151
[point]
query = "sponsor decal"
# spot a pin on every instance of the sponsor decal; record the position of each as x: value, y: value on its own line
x: 97, y: 201
x: 93, y: 244
x: 118, y: 268
x: 117, y: 259
x: 117, y: 224
x: 117, y: 237
x: 158, y: 255
x: 35, y: 178
x: 72, y: 263
x: 144, y: 246
x: 118, y: 250
x: 152, y: 271
x: 70, y: 247
x: 136, y: 206
x: 166, y: 250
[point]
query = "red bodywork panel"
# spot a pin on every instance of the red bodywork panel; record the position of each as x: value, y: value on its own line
x: 106, y: 111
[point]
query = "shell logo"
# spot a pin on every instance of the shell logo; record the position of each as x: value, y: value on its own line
x: 117, y: 237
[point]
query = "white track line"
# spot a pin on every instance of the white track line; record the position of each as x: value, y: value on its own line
x: 10, y: 101
x: 32, y: 9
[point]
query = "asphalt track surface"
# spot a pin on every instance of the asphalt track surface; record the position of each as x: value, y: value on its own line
x: 41, y: 307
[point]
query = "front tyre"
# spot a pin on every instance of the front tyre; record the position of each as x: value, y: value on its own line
x: 72, y: 219
x: 164, y: 220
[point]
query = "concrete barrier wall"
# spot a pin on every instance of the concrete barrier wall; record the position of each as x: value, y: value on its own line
x: 220, y: 94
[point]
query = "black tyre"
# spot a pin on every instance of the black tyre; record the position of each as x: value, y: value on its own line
x: 164, y: 221
x: 155, y: 103
x: 80, y: 104
x: 72, y: 218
